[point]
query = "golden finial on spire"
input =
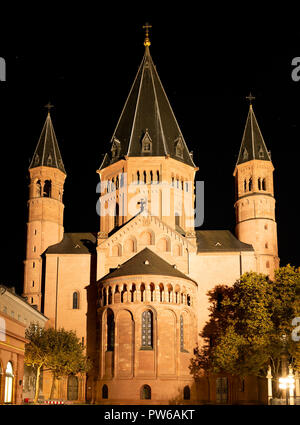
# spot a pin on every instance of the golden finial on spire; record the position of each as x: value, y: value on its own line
x: 147, y: 40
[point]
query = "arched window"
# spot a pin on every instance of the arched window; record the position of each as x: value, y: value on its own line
x: 72, y: 388
x: 147, y: 330
x: 116, y: 216
x: 152, y: 291
x: 259, y: 183
x: 186, y: 393
x: 161, y: 292
x: 133, y: 293
x: 110, y: 330
x: 157, y: 176
x: 9, y: 376
x: 264, y: 186
x: 105, y: 392
x: 109, y: 301
x: 138, y: 177
x: 145, y: 177
x: 75, y: 300
x: 47, y: 189
x: 142, y: 289
x: 38, y: 188
x: 151, y: 176
x: 146, y: 392
x: 250, y: 184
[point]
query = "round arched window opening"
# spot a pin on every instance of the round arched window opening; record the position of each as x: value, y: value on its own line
x: 146, y: 392
x: 9, y: 376
x: 105, y: 392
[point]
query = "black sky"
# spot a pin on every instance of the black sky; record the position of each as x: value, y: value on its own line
x: 85, y: 62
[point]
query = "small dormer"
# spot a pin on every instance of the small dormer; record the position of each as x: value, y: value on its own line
x: 146, y: 143
x: 115, y: 149
x: 179, y: 147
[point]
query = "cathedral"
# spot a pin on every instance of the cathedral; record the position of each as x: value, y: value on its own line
x: 135, y: 290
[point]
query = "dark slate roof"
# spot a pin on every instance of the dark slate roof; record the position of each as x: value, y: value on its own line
x: 147, y: 112
x: 47, y: 151
x: 253, y: 145
x: 219, y: 241
x: 137, y: 265
x: 74, y: 243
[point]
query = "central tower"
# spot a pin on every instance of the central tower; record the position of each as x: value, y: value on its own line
x: 149, y: 162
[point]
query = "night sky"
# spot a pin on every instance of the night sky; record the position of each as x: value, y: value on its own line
x: 85, y: 62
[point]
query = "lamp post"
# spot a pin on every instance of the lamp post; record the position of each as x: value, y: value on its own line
x: 269, y: 378
x: 287, y: 383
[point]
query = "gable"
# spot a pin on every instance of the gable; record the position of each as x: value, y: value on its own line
x: 142, y: 231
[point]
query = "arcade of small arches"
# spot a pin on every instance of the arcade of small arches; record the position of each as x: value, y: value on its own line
x: 43, y: 189
x: 163, y: 244
x: 144, y: 292
x: 145, y: 177
x: 248, y: 184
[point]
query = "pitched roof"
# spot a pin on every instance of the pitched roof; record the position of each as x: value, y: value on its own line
x: 146, y: 262
x: 147, y: 115
x: 219, y: 241
x: 74, y: 243
x: 47, y: 151
x: 253, y: 145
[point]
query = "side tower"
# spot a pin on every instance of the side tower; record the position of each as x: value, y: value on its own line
x: 255, y: 202
x: 45, y: 208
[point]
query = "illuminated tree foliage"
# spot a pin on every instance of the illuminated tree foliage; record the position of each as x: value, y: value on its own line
x: 250, y: 325
x: 59, y: 351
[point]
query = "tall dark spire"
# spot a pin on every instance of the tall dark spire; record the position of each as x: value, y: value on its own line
x: 253, y: 145
x: 147, y: 125
x: 47, y: 151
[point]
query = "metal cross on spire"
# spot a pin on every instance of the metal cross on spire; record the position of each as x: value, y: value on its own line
x: 49, y: 106
x: 146, y: 28
x: 250, y: 98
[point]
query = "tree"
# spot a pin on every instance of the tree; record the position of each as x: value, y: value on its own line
x: 67, y: 355
x: 59, y: 351
x: 248, y: 322
x: 36, y: 352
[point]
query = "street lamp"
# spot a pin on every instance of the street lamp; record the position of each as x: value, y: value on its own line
x: 288, y: 384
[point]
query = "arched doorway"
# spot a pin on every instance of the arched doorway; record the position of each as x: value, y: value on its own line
x: 72, y: 387
x: 9, y: 377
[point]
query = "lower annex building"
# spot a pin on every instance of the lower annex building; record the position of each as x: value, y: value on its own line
x: 135, y: 291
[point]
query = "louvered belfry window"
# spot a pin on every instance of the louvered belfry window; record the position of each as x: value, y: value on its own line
x: 147, y: 330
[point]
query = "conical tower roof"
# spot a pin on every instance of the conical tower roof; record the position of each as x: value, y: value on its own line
x: 253, y: 145
x: 47, y: 151
x: 147, y: 115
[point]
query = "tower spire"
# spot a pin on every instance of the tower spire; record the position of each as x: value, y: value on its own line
x: 47, y: 152
x: 253, y: 145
